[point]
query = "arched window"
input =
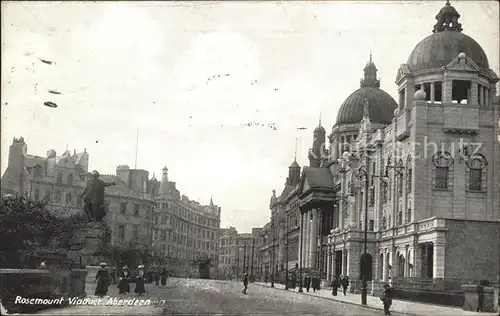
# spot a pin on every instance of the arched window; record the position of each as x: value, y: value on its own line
x: 70, y: 179
x: 69, y: 198
x: 409, y: 175
x: 36, y: 196
x: 442, y: 177
x: 476, y: 175
x: 400, y: 178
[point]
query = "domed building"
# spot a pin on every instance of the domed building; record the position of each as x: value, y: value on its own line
x: 417, y: 177
x: 380, y: 105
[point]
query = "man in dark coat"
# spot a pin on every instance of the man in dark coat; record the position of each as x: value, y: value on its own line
x: 335, y: 285
x: 123, y: 283
x: 307, y: 283
x: 164, y: 275
x: 93, y: 196
x: 102, y: 278
x: 345, y: 284
x: 386, y: 298
x: 245, y: 282
x: 140, y: 284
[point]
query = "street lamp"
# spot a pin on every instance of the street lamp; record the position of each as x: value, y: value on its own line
x: 286, y: 249
x: 272, y: 258
x: 300, y: 252
x: 362, y: 175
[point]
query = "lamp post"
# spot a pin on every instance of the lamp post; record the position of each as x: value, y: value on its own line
x: 272, y: 255
x: 301, y: 236
x: 286, y: 249
x: 362, y: 175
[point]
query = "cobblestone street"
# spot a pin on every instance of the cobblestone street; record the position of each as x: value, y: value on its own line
x: 202, y: 297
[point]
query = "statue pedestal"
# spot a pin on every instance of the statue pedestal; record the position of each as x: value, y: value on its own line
x: 87, y: 242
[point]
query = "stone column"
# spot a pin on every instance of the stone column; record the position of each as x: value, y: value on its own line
x: 473, y: 93
x: 314, y: 240
x: 329, y: 263
x: 447, y: 89
x: 481, y: 95
x: 385, y: 267
x: 307, y: 225
x: 433, y: 92
x: 438, y: 260
x: 486, y: 97
x: 417, y: 261
x: 301, y: 235
x: 394, y: 264
x: 352, y: 214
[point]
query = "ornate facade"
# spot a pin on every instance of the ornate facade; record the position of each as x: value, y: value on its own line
x: 143, y: 213
x: 417, y: 175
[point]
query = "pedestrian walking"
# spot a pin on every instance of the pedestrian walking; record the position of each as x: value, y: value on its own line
x: 386, y: 298
x: 335, y: 285
x: 140, y: 287
x: 245, y: 282
x: 164, y: 275
x: 157, y: 276
x: 123, y: 281
x: 314, y: 283
x: 345, y: 284
x: 307, y: 283
x: 102, y: 278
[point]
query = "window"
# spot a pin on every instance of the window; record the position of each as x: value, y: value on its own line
x: 400, y: 218
x: 408, y: 215
x: 409, y: 175
x: 69, y: 198
x: 136, y: 209
x: 443, y: 164
x: 476, y: 177
x: 59, y: 178
x: 385, y: 191
x: 36, y: 197
x: 384, y: 223
x: 58, y: 197
x: 372, y: 228
x: 441, y: 177
x: 123, y: 207
x: 70, y: 179
x: 121, y: 233
x: 37, y: 172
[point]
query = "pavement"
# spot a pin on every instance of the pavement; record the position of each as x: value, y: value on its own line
x: 374, y: 303
x: 213, y: 297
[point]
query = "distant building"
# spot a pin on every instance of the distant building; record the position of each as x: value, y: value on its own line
x: 146, y: 215
x: 238, y: 253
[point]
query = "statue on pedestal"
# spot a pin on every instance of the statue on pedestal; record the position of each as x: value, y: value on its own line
x: 93, y: 197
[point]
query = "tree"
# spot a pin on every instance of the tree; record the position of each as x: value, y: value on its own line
x: 27, y: 229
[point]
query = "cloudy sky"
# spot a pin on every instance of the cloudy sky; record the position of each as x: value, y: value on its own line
x: 191, y: 76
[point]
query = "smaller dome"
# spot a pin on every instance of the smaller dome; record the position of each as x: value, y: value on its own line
x: 420, y: 95
x: 396, y: 111
x: 319, y: 129
x: 462, y: 55
x: 294, y: 164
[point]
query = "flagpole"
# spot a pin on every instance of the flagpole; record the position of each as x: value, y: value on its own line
x: 136, y: 148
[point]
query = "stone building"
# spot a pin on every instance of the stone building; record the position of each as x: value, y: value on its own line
x: 420, y: 170
x: 239, y: 253
x: 146, y: 215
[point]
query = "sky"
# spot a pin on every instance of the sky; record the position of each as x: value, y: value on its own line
x: 215, y: 91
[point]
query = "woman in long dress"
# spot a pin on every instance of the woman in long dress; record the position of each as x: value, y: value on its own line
x: 164, y: 277
x: 123, y: 283
x: 102, y: 278
x: 140, y: 287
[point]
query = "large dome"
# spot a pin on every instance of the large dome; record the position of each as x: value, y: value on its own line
x: 439, y: 49
x: 382, y: 106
